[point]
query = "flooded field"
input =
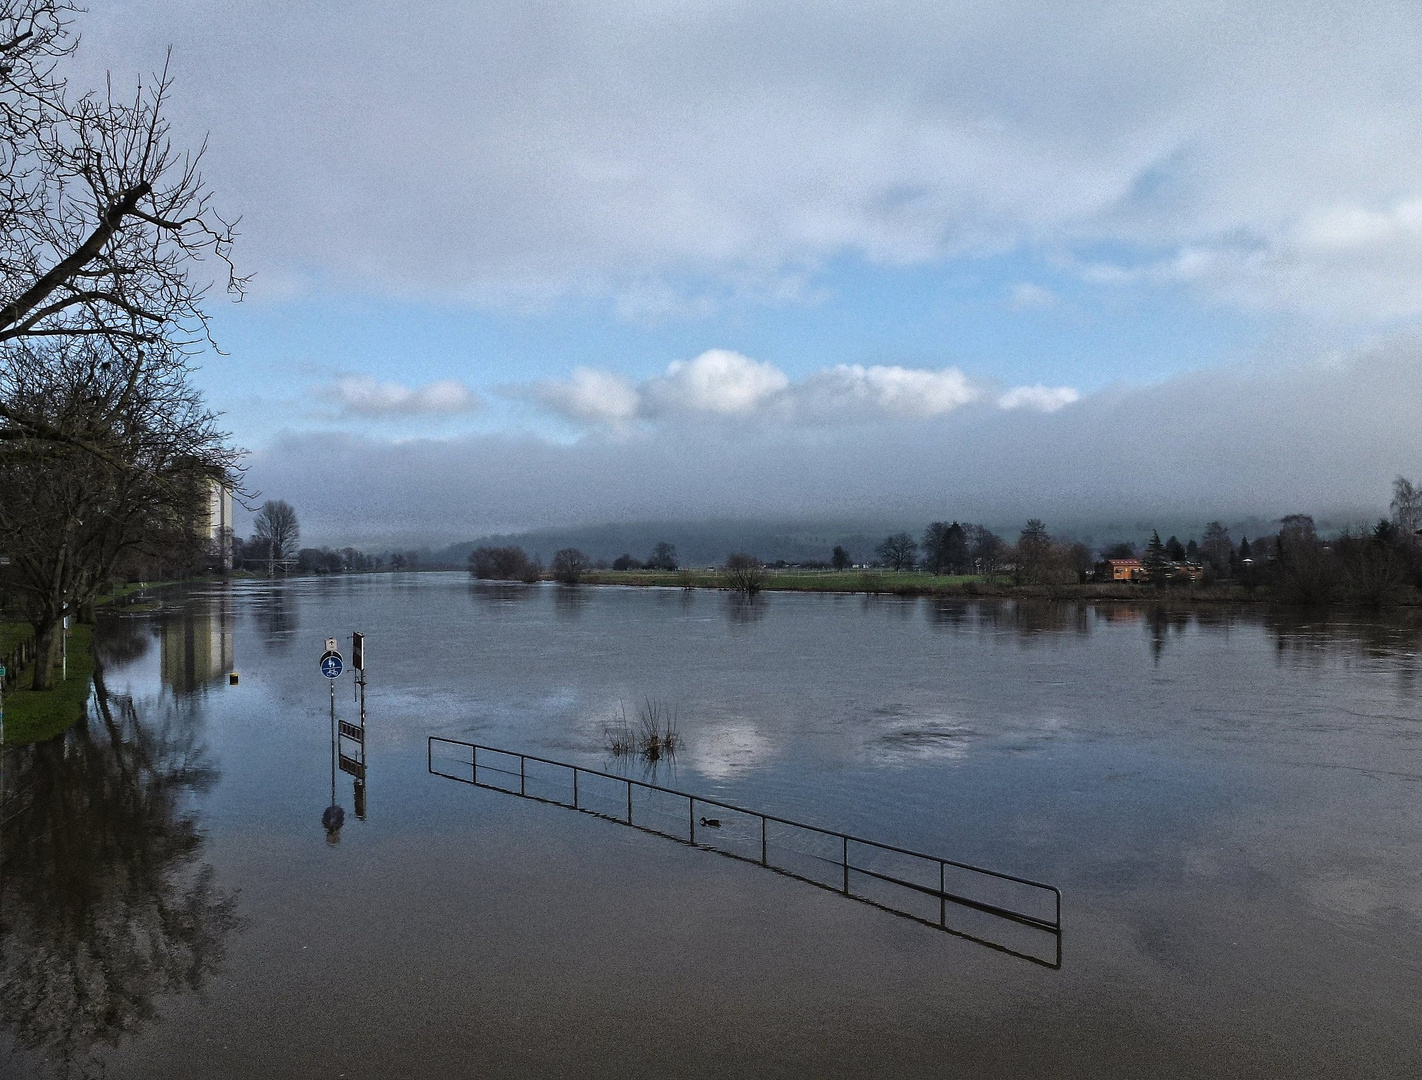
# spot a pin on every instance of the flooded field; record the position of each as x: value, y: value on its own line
x: 1227, y: 800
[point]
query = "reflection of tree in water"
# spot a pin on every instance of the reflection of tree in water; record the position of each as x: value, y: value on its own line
x: 1036, y: 618
x: 1308, y: 636
x: 742, y: 610
x: 103, y: 903
x: 1161, y: 623
x: 276, y: 617
x: 124, y: 640
x: 569, y: 601
x: 951, y: 613
x: 501, y: 594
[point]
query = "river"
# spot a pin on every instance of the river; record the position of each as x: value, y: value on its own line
x: 1227, y: 799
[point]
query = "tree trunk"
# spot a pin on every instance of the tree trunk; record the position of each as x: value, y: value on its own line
x: 49, y: 640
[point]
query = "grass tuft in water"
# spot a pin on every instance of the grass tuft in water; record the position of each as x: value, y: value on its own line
x: 657, y: 734
x: 654, y: 737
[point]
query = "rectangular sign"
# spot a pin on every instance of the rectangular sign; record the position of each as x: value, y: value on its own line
x: 352, y: 766
x: 353, y: 731
x: 358, y: 651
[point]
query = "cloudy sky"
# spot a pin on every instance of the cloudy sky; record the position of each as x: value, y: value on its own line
x: 554, y: 263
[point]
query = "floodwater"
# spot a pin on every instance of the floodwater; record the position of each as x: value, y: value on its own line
x: 1229, y: 802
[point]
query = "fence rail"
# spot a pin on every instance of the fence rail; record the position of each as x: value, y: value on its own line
x: 1036, y: 906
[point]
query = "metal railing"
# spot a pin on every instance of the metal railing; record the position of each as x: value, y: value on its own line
x: 1038, y: 906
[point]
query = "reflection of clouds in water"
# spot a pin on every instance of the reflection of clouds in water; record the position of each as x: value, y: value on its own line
x: 905, y: 737
x: 717, y: 749
x: 902, y: 735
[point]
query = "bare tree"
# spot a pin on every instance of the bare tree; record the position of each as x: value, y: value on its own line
x: 985, y: 549
x: 899, y: 551
x: 277, y: 531
x: 503, y: 564
x: 1217, y: 548
x: 663, y: 557
x: 102, y: 219
x: 745, y: 574
x: 569, y: 565
x: 1406, y: 506
x: 69, y: 517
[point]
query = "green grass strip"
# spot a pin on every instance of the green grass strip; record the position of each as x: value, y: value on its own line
x: 35, y: 715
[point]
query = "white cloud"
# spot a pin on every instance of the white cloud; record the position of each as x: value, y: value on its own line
x: 515, y: 150
x: 849, y: 390
x: 718, y: 382
x: 1040, y: 398
x: 361, y: 395
x: 599, y: 397
x: 1356, y: 227
x: 1026, y: 296
x: 721, y: 384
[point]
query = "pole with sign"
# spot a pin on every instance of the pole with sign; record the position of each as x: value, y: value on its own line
x: 331, y: 666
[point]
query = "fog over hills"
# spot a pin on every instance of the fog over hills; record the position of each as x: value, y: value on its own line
x: 1237, y: 444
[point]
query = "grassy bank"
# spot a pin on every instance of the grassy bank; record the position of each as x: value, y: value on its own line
x: 787, y: 580
x: 35, y: 715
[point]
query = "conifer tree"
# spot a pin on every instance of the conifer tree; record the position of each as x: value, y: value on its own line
x: 1156, y: 562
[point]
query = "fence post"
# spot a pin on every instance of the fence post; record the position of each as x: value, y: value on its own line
x: 691, y: 816
x: 575, y: 787
x: 629, y: 802
x: 762, y: 841
x: 474, y: 763
x: 942, y: 896
x: 846, y: 866
x: 520, y: 774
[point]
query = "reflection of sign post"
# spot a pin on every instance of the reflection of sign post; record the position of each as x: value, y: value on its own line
x: 355, y: 764
x: 345, y: 735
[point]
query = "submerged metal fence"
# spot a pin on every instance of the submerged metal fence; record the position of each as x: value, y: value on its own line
x: 986, y: 903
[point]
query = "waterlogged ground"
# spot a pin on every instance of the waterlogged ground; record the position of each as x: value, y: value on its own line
x: 1229, y: 802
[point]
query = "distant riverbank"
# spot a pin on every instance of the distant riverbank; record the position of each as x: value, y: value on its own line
x: 917, y: 583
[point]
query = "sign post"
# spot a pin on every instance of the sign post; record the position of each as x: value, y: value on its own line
x: 344, y: 734
x: 331, y: 666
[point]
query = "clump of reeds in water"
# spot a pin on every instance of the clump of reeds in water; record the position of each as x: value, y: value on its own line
x: 657, y: 736
x: 654, y: 737
x: 621, y: 740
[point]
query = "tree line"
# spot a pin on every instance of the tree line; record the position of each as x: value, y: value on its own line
x: 1368, y: 564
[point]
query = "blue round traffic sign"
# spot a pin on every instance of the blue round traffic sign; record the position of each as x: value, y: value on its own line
x: 332, y: 665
